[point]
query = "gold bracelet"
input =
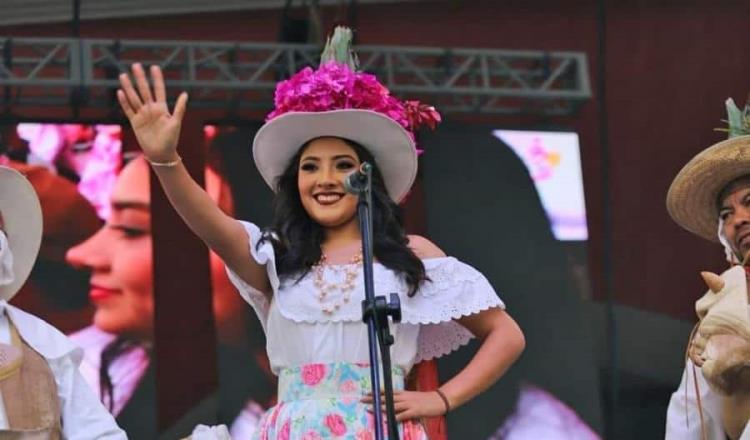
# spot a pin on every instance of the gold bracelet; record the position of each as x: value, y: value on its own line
x: 445, y: 400
x: 164, y: 164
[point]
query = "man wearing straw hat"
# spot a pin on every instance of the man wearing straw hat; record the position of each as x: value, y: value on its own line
x: 711, y: 198
x: 42, y: 395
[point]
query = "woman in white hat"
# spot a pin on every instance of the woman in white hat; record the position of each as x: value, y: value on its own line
x: 710, y: 197
x: 41, y: 391
x: 303, y: 277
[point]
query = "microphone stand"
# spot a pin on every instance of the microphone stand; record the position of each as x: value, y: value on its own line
x: 375, y: 313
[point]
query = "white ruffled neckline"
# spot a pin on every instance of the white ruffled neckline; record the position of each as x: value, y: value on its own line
x: 436, y: 300
x: 456, y: 290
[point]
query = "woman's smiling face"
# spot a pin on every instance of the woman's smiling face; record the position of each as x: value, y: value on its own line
x: 323, y: 166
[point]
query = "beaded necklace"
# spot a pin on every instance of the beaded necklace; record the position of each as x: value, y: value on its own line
x: 349, y: 272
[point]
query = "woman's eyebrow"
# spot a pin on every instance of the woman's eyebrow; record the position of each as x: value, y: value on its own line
x: 127, y: 204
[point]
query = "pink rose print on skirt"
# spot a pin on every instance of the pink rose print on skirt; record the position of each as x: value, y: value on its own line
x: 284, y: 433
x: 364, y: 434
x: 335, y: 424
x: 312, y: 435
x: 348, y: 387
x: 312, y: 374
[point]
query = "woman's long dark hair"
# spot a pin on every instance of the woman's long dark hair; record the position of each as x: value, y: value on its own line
x: 297, y: 238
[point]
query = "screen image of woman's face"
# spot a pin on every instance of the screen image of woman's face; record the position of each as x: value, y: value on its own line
x: 120, y: 259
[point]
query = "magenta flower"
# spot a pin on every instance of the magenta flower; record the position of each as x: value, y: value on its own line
x: 335, y: 87
x: 419, y: 114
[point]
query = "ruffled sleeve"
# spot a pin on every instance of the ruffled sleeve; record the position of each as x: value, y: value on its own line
x: 455, y: 290
x: 263, y: 255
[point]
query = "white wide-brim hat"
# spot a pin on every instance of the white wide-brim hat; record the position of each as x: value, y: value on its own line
x: 22, y: 223
x: 395, y: 153
x: 692, y: 197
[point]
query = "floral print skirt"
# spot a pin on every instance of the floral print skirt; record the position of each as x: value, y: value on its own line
x: 322, y: 401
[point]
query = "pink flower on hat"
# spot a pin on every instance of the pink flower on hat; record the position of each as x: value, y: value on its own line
x: 334, y: 86
x: 419, y: 114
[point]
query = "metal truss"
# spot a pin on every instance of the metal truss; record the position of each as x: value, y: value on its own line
x: 46, y: 72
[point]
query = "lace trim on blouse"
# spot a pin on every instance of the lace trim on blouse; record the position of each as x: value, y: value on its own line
x: 455, y: 290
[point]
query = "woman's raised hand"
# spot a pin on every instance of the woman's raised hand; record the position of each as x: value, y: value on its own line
x: 156, y: 130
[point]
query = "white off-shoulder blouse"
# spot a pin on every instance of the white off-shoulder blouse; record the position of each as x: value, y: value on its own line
x: 299, y: 332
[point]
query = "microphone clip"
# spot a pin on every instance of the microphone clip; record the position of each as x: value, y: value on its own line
x: 359, y: 181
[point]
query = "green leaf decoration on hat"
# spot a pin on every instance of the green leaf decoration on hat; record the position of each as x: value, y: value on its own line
x: 738, y: 121
x: 339, y: 48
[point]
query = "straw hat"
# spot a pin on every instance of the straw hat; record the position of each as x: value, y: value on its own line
x: 389, y: 143
x: 22, y: 223
x: 692, y: 197
x: 337, y: 101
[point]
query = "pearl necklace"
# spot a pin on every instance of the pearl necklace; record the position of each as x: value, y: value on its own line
x: 349, y: 272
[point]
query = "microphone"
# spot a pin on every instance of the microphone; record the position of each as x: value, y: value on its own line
x: 356, y: 181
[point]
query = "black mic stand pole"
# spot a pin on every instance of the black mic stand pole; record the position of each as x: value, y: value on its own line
x: 375, y: 313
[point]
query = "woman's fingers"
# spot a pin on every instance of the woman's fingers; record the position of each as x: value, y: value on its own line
x: 132, y: 100
x: 398, y: 407
x: 125, y: 104
x: 368, y: 397
x: 406, y: 415
x: 180, y: 105
x: 158, y: 79
x: 140, y: 79
x: 132, y: 97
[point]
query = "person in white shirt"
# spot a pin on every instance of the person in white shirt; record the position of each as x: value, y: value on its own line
x: 41, y: 391
x: 710, y: 197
